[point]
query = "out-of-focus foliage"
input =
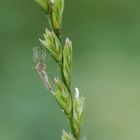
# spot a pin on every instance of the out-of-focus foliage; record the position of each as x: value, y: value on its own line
x: 106, y: 46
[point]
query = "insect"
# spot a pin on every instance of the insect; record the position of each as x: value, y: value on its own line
x: 39, y: 56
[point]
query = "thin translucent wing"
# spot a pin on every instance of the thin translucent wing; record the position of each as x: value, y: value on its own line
x: 39, y: 54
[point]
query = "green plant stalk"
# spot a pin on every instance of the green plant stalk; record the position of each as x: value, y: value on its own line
x: 70, y: 118
x: 63, y: 79
x: 71, y: 105
x: 50, y: 22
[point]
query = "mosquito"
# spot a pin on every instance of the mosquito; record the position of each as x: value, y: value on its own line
x: 39, y: 56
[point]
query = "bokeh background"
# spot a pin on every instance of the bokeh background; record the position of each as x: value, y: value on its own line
x: 106, y: 41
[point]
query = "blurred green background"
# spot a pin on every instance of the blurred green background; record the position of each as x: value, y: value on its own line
x: 106, y: 41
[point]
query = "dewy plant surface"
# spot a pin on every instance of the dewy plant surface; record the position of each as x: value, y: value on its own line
x: 72, y: 104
